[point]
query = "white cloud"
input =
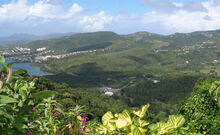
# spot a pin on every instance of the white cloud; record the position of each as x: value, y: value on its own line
x: 96, y: 22
x: 45, y: 10
x: 178, y: 4
x: 163, y: 6
x: 51, y: 14
x: 216, y: 2
x: 74, y: 10
x: 48, y: 16
x: 185, y: 20
x: 170, y: 6
x: 14, y: 11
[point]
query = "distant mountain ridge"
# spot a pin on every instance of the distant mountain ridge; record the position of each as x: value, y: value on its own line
x: 76, y: 41
x: 23, y: 38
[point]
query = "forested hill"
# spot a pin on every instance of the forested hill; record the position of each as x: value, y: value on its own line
x: 142, y: 51
x: 83, y: 41
x: 173, y: 41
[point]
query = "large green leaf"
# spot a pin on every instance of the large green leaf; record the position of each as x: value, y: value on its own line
x: 43, y: 94
x: 124, y: 119
x: 108, y: 122
x: 161, y: 128
x: 140, y: 123
x: 107, y: 117
x: 111, y: 126
x: 101, y: 129
x: 142, y: 112
x: 135, y: 130
x: 176, y: 120
x: 6, y: 99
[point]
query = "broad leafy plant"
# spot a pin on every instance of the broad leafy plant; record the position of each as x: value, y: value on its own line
x: 136, y: 122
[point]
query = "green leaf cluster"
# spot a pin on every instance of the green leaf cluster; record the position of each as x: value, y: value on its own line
x: 136, y: 122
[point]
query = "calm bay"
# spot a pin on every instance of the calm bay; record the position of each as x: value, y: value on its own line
x: 32, y: 70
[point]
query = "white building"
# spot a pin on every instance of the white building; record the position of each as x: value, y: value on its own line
x: 41, y: 49
x: 108, y: 93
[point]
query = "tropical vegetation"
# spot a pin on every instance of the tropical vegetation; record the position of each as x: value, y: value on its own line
x: 163, y: 85
x: 28, y: 107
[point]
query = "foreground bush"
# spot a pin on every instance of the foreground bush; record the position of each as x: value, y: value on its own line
x: 25, y: 112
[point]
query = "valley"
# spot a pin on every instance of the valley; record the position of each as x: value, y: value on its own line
x: 129, y: 66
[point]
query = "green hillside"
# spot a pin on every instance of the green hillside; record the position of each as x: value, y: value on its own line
x: 179, y: 40
x: 129, y: 63
x: 141, y: 51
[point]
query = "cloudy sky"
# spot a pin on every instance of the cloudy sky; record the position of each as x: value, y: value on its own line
x: 121, y: 16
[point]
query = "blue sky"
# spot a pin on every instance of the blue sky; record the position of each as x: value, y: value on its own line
x: 121, y: 16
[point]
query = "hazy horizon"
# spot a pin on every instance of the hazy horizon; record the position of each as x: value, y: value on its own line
x: 5, y: 36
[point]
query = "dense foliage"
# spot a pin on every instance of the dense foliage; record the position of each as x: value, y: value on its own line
x: 134, y: 89
x: 202, y: 108
x: 28, y: 107
x: 168, y: 88
x: 97, y: 104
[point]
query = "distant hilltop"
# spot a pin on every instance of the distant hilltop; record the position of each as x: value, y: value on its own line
x: 23, y: 38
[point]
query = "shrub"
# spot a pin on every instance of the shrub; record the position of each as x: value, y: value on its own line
x: 201, y: 109
x: 23, y: 109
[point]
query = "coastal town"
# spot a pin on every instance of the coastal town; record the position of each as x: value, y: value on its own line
x: 21, y: 54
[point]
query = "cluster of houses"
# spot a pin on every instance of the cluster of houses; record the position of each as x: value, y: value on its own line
x: 18, y: 54
x: 39, y: 55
